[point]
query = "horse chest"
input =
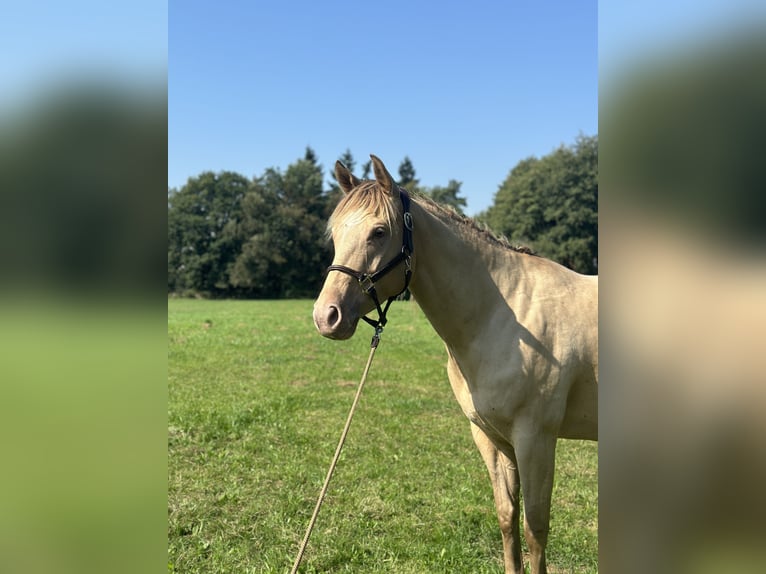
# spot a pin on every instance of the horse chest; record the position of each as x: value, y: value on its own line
x: 490, y: 405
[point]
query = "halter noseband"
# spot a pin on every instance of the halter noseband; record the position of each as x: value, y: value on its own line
x: 367, y: 280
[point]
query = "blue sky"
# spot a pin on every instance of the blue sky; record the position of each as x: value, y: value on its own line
x: 466, y: 90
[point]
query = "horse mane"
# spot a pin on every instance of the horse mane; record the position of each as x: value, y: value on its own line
x: 468, y: 226
x: 368, y: 198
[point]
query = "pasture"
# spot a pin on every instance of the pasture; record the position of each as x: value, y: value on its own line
x: 256, y: 402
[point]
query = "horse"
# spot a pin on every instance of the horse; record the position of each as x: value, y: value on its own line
x: 521, y: 334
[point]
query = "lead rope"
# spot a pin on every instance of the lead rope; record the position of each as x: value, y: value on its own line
x: 323, y: 492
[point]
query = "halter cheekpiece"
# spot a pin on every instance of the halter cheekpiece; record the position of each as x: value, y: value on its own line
x: 367, y: 281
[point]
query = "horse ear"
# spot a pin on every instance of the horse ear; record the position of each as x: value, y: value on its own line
x: 345, y: 178
x: 382, y: 176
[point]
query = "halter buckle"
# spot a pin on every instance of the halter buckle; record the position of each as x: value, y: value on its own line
x: 366, y: 283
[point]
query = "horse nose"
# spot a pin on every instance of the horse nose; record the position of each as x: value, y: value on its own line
x: 327, y: 318
x: 333, y: 316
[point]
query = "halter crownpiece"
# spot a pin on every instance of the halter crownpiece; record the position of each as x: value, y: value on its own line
x: 367, y: 280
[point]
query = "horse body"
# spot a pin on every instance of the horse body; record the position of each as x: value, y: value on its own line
x: 521, y: 334
x: 519, y: 330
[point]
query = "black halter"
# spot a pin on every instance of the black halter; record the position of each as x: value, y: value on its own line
x: 367, y: 280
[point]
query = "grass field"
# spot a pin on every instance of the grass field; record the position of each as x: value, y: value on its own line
x: 256, y: 403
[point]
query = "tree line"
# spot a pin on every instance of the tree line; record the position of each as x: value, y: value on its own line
x: 230, y: 236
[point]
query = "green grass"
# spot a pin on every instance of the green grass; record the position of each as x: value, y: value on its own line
x: 256, y: 403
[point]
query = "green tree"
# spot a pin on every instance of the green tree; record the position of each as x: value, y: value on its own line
x: 310, y: 155
x: 347, y: 159
x: 551, y: 203
x: 366, y: 169
x: 447, y: 195
x: 200, y: 248
x: 407, y: 177
x: 334, y: 193
x: 284, y: 252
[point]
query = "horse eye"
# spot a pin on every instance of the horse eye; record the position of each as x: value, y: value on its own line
x: 378, y: 233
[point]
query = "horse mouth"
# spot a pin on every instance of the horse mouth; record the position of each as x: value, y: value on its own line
x: 339, y: 334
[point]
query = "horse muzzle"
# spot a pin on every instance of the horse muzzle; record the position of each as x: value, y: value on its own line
x: 332, y: 322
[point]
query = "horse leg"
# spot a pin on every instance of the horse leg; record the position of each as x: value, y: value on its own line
x: 504, y: 475
x: 536, y: 458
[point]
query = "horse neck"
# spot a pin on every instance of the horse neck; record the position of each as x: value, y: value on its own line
x: 452, y: 280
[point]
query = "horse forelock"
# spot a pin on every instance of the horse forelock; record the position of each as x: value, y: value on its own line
x: 366, y: 200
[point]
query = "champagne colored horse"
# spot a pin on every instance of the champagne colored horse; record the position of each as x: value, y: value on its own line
x: 521, y: 334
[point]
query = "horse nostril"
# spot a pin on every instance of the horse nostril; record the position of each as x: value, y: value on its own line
x: 333, y: 316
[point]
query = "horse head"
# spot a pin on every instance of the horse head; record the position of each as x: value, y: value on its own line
x: 371, y: 243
